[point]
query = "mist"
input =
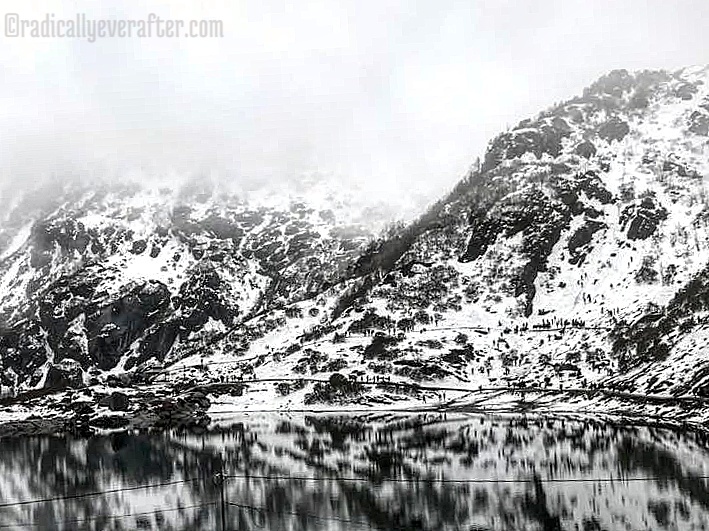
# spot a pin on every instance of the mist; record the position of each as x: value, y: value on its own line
x: 392, y: 95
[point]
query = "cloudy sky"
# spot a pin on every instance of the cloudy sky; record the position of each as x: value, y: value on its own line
x: 403, y: 94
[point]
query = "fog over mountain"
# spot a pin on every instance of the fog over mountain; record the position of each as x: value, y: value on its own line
x: 389, y: 94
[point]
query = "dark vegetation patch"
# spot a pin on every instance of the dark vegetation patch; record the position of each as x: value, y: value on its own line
x: 311, y: 362
x: 420, y: 370
x: 647, y: 274
x: 430, y: 343
x: 460, y: 356
x: 370, y: 320
x: 338, y: 390
x: 286, y: 388
x: 382, y: 348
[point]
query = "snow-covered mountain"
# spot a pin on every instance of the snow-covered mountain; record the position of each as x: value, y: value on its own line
x: 576, y: 252
x: 111, y: 276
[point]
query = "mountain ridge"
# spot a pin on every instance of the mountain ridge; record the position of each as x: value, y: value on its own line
x: 590, y: 216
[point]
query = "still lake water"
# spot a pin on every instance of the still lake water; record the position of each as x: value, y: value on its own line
x: 362, y: 471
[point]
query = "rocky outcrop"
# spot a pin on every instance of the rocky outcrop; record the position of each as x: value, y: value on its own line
x: 116, y: 401
x: 579, y: 241
x: 643, y: 218
x: 648, y: 339
x: 698, y: 122
x: 686, y: 91
x: 185, y: 412
x: 113, y: 327
x: 204, y: 296
x: 24, y: 352
x: 586, y: 149
x: 65, y: 375
x: 613, y: 129
x: 540, y: 138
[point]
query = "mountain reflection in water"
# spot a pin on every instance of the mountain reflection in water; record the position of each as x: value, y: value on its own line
x: 365, y: 471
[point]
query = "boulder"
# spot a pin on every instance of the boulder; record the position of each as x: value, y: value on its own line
x: 118, y: 401
x: 64, y: 375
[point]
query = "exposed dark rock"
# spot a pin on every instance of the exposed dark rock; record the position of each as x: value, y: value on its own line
x: 545, y: 138
x: 483, y: 233
x: 185, y: 412
x: 114, y: 327
x: 202, y: 296
x: 698, y: 123
x: 197, y: 399
x: 82, y: 408
x: 674, y: 166
x: 585, y: 149
x: 460, y: 356
x: 63, y: 234
x: 613, y: 129
x: 615, y: 83
x: 286, y: 388
x: 541, y: 221
x: 23, y: 348
x: 65, y: 375
x: 581, y: 238
x: 420, y: 370
x: 338, y: 380
x: 646, y: 340
x: 139, y: 247
x: 381, y: 347
x: 91, y: 318
x: 647, y: 274
x: 642, y: 219
x: 686, y: 91
x: 118, y: 401
x: 590, y: 183
x: 158, y: 340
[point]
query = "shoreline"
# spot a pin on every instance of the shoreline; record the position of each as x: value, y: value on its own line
x: 198, y: 408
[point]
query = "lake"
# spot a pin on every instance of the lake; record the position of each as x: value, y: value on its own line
x: 384, y: 471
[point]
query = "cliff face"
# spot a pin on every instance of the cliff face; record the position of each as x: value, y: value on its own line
x: 589, y: 219
x: 115, y: 277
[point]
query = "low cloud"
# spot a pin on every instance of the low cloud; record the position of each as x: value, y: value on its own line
x: 401, y: 93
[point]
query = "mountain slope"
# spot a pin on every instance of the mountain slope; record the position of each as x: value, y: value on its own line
x: 575, y: 253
